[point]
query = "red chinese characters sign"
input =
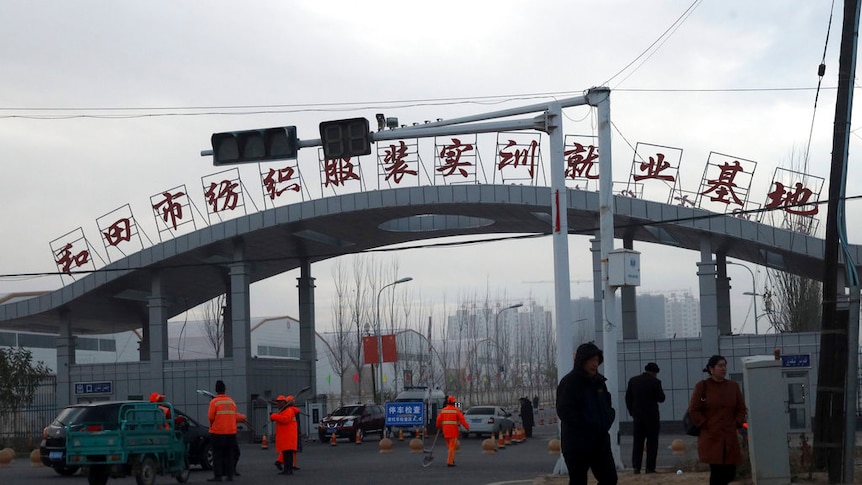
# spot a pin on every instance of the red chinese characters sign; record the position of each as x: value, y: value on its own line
x: 518, y: 157
x: 455, y: 160
x: 581, y: 154
x: 398, y: 163
x: 726, y: 183
x: 71, y: 253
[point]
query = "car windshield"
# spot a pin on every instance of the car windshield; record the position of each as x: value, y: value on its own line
x: 347, y: 411
x: 107, y: 414
x: 483, y: 411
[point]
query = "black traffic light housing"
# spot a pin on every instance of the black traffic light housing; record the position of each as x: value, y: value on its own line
x: 345, y: 138
x: 254, y: 145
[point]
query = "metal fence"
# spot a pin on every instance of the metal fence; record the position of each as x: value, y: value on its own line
x: 27, y: 423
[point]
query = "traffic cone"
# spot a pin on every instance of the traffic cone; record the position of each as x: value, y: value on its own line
x: 332, y: 439
x: 358, y: 436
x: 501, y: 442
x: 400, y: 434
x: 264, y: 443
x: 509, y: 437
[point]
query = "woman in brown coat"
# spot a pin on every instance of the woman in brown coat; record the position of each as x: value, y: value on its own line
x: 717, y: 407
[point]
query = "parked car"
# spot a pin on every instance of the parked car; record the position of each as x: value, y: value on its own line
x: 52, y: 449
x: 344, y: 421
x: 486, y: 420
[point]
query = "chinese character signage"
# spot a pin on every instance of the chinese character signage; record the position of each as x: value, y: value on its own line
x: 656, y: 169
x: 398, y: 163
x: 725, y: 183
x: 340, y: 176
x: 581, y: 156
x: 72, y: 254
x: 104, y: 387
x: 408, y: 413
x: 281, y: 183
x: 519, y: 159
x: 223, y: 195
x: 456, y: 160
x: 119, y: 232
x: 172, y: 211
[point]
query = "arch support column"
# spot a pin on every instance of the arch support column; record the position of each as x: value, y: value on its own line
x: 65, y: 360
x: 708, y: 299
x: 307, y: 352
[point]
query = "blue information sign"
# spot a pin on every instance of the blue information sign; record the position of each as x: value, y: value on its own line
x: 801, y: 360
x: 93, y: 387
x: 405, y: 413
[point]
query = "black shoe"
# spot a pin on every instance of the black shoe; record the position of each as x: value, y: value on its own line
x: 450, y: 464
x: 637, y: 472
x: 650, y: 471
x: 285, y: 472
x: 230, y: 478
x: 279, y: 465
x: 236, y: 474
x: 296, y: 468
x: 214, y: 479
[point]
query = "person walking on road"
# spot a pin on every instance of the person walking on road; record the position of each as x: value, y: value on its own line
x: 643, y: 395
x: 223, y: 418
x: 286, y: 432
x: 449, y: 419
x: 586, y: 415
x: 527, y: 417
x: 718, y: 409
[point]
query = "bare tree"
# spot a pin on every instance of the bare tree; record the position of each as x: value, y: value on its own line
x: 213, y: 323
x: 793, y: 303
x: 339, y: 357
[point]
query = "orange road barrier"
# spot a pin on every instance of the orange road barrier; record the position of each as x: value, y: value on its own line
x: 264, y: 444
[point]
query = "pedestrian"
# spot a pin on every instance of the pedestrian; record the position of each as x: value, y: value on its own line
x: 586, y: 415
x: 223, y: 417
x: 286, y: 432
x: 449, y: 419
x: 160, y: 398
x: 527, y: 417
x: 643, y: 394
x: 718, y: 409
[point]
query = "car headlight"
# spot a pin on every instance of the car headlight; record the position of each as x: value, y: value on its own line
x: 348, y: 423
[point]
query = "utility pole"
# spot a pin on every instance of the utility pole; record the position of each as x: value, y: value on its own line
x: 832, y: 412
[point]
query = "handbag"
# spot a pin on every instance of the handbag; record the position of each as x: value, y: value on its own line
x: 690, y: 428
x: 687, y: 423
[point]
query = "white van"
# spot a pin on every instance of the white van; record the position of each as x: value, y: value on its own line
x: 434, y: 401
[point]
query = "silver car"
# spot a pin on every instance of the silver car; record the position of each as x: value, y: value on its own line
x: 487, y: 419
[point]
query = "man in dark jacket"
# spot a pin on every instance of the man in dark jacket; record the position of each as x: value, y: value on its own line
x: 643, y: 394
x: 586, y: 415
x: 527, y: 417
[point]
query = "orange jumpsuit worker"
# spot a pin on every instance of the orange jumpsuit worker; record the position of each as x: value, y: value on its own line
x: 278, y: 458
x: 156, y: 398
x: 449, y: 419
x: 286, y: 432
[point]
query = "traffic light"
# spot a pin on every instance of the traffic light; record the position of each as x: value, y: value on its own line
x: 254, y: 145
x: 345, y: 138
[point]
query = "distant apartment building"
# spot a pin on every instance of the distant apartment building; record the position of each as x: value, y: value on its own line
x: 673, y: 314
x: 682, y: 315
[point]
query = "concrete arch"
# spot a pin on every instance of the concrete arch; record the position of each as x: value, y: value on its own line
x: 194, y: 268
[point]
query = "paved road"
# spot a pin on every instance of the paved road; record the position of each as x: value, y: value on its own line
x: 349, y: 463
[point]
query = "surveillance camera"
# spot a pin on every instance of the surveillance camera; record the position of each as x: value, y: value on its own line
x: 381, y: 121
x: 392, y: 123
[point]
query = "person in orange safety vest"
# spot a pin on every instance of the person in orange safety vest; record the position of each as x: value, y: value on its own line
x: 448, y: 420
x: 223, y: 418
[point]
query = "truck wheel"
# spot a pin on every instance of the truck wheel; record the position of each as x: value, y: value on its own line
x: 147, y: 473
x: 183, y: 475
x: 98, y: 475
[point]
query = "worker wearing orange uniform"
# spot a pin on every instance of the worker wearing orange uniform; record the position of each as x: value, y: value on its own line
x: 286, y: 432
x: 448, y: 420
x: 223, y: 417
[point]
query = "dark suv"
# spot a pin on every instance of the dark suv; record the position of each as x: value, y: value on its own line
x: 52, y: 449
x: 346, y: 420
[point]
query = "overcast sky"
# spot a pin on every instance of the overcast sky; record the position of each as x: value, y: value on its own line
x: 106, y: 103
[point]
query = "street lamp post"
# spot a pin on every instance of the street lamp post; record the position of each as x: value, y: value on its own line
x: 753, y: 292
x: 497, y: 333
x: 380, y: 337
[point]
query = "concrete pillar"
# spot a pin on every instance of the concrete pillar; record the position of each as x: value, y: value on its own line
x: 307, y: 353
x: 157, y: 334
x: 628, y: 298
x: 598, y: 311
x: 240, y: 327
x: 722, y: 288
x: 65, y: 360
x: 708, y: 312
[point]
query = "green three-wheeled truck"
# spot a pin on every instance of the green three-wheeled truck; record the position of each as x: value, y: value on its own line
x: 145, y: 445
